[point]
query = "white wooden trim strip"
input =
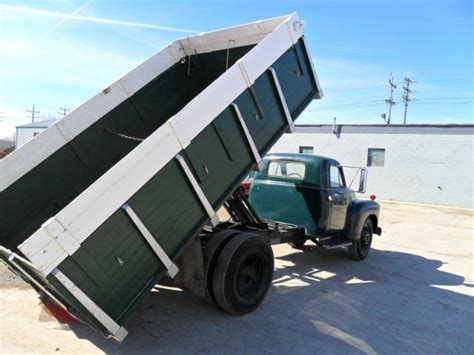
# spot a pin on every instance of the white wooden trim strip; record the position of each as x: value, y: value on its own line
x: 118, y: 333
x: 241, y: 35
x: 291, y: 124
x: 244, y: 73
x: 290, y: 32
x: 197, y: 189
x: 253, y: 147
x: 171, y: 268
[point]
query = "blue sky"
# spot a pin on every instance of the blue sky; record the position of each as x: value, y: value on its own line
x: 54, y: 55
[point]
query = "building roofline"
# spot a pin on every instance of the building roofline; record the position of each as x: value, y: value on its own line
x: 440, y: 125
x: 38, y: 124
x: 419, y: 128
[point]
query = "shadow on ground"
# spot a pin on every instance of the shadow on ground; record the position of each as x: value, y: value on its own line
x: 320, y: 301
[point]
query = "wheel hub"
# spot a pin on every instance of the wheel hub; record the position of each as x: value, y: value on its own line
x: 249, y: 275
x: 365, y: 240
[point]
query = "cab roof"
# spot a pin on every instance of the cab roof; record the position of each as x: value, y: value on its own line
x: 307, y: 158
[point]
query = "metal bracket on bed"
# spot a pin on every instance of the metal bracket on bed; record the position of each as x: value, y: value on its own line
x: 291, y: 124
x: 118, y: 333
x: 197, y: 189
x: 19, y: 269
x: 171, y: 268
x: 250, y: 140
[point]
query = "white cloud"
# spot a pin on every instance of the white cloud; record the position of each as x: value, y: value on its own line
x: 44, y: 13
x: 63, y: 20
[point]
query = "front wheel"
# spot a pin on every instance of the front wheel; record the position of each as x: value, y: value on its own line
x: 360, y: 248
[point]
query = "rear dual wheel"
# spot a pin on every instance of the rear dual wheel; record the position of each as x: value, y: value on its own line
x: 240, y: 272
x: 211, y: 253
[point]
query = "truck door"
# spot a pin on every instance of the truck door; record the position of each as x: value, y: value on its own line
x: 338, y: 197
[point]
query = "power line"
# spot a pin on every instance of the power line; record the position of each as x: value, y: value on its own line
x: 390, y: 101
x: 350, y: 104
x: 444, y: 98
x: 350, y: 86
x: 443, y: 102
x: 63, y: 111
x: 33, y: 114
x: 406, y: 97
x: 450, y: 79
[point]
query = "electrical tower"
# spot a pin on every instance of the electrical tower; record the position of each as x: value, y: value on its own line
x: 63, y: 111
x: 33, y: 114
x: 390, y: 101
x: 406, y: 97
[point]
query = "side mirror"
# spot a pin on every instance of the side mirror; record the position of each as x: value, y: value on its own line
x: 362, y: 180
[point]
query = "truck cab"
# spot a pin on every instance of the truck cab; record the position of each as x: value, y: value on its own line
x: 312, y: 192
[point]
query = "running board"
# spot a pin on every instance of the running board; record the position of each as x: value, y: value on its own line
x: 335, y: 243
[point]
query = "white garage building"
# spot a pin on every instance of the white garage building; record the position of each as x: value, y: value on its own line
x: 424, y: 163
x: 27, y: 131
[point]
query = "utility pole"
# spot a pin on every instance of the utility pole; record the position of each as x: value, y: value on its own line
x: 63, y: 111
x: 33, y: 114
x: 406, y: 97
x: 390, y: 101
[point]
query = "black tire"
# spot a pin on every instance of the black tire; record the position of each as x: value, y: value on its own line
x: 211, y: 252
x: 243, y: 274
x: 359, y: 250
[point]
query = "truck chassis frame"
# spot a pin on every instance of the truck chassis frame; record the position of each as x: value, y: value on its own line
x: 196, y: 265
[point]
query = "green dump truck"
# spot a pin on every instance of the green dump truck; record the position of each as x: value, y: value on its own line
x: 311, y: 192
x: 124, y: 190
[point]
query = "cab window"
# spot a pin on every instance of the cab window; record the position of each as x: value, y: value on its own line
x: 287, y: 169
x: 336, y: 177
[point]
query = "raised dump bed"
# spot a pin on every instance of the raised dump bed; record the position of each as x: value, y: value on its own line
x: 104, y: 201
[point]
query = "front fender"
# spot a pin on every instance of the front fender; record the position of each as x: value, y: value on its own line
x: 358, y: 212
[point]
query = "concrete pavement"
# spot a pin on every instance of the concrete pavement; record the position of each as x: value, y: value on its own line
x: 415, y: 293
